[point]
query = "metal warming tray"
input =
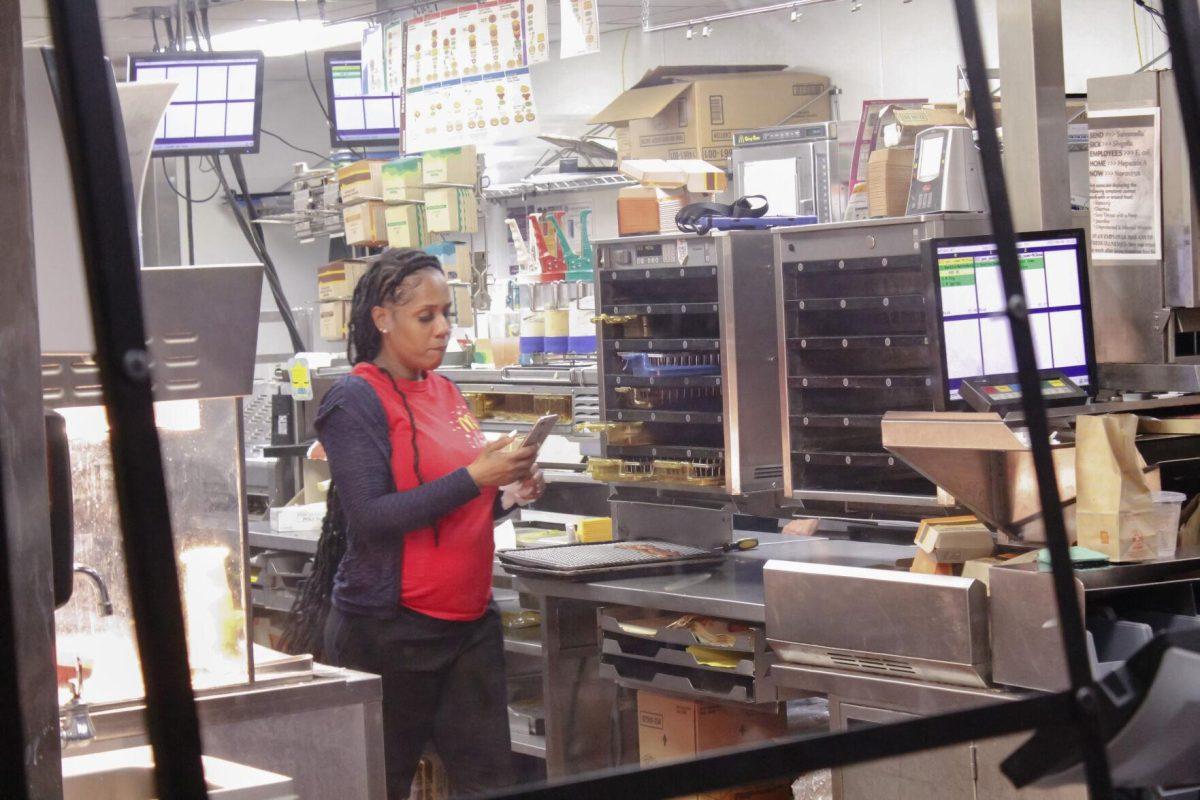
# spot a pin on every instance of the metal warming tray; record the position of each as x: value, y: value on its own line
x: 605, y: 559
x: 878, y: 621
x: 855, y: 339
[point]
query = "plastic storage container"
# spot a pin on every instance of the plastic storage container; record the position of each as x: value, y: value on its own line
x: 1167, y: 507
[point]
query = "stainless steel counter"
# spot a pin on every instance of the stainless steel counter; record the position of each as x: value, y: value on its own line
x: 280, y: 725
x: 733, y: 590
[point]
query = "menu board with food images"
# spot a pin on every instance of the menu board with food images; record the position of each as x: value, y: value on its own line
x: 468, y: 77
x: 537, y: 32
x: 580, y: 27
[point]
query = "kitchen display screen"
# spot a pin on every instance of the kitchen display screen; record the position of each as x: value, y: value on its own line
x: 974, y: 329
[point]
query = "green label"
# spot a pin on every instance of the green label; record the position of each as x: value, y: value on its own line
x: 956, y: 272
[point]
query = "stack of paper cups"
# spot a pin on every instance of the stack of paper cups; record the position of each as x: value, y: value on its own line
x: 533, y: 338
x: 581, y: 330
x: 557, y: 328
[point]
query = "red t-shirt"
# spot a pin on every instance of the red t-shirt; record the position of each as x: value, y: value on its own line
x: 450, y: 578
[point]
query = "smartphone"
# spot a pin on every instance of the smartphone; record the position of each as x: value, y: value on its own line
x: 540, y: 430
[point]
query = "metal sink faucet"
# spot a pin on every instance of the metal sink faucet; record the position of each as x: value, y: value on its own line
x: 106, y: 606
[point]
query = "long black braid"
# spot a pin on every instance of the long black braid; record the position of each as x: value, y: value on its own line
x: 382, y: 283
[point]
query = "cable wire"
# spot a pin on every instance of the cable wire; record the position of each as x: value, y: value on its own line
x: 313, y: 86
x: 183, y: 196
x: 298, y: 149
x: 258, y: 245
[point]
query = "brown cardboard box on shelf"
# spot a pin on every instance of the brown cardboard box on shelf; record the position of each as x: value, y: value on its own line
x: 336, y: 280
x: 645, y: 210
x: 451, y: 210
x: 362, y: 180
x: 898, y: 127
x: 452, y: 165
x: 333, y: 320
x: 889, y: 173
x: 406, y: 226
x: 691, y: 112
x: 673, y: 728
x: 366, y: 223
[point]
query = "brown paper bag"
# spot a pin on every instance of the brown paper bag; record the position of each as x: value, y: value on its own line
x: 1114, y: 513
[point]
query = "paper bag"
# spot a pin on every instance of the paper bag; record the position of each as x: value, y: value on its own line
x: 1114, y: 504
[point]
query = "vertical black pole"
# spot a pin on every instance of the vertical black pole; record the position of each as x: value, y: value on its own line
x: 104, y: 201
x: 12, y: 732
x: 1070, y: 618
x: 1183, y: 37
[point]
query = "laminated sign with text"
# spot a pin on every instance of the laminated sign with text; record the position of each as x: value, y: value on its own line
x: 468, y: 77
x: 1123, y: 179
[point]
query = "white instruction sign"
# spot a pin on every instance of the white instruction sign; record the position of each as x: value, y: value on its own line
x: 1124, y: 197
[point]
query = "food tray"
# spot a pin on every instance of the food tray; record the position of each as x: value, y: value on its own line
x: 591, y: 560
x: 664, y: 364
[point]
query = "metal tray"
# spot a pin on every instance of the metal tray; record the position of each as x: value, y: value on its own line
x: 593, y: 561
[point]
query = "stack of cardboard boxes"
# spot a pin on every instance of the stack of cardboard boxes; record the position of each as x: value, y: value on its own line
x: 889, y: 169
x: 674, y: 728
x: 399, y: 203
x: 335, y: 288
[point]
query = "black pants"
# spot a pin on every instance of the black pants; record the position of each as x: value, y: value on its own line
x: 443, y: 682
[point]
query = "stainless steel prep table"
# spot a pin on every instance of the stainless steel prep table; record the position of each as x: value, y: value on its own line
x: 579, y: 705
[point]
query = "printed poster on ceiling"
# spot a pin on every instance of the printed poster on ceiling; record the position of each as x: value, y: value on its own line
x: 468, y: 77
x: 579, y: 28
x: 374, y: 62
x: 393, y: 56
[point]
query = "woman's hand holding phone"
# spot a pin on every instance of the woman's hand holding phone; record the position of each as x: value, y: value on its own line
x: 498, y: 466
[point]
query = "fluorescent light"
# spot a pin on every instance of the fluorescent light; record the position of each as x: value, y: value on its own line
x: 291, y: 37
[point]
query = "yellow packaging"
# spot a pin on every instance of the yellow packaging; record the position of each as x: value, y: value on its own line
x: 451, y: 165
x: 451, y: 211
x: 366, y: 223
x: 362, y: 180
x: 594, y: 529
x: 333, y: 320
x: 402, y: 180
x: 405, y: 226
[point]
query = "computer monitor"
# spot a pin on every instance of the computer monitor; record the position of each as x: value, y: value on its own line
x: 359, y: 119
x: 217, y: 107
x: 972, y: 329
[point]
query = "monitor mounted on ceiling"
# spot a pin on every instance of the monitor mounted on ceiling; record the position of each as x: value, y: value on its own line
x: 217, y: 107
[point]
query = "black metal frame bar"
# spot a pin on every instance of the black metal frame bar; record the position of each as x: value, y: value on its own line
x: 104, y: 201
x: 1182, y: 20
x: 12, y: 744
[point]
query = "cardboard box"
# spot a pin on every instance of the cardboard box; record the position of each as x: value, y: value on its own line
x: 647, y: 210
x: 403, y: 180
x: 451, y: 211
x: 673, y: 728
x: 362, y: 180
x: 898, y: 127
x: 405, y: 226
x: 694, y: 175
x: 336, y: 281
x: 451, y: 165
x: 334, y: 316
x: 889, y: 174
x: 691, y: 112
x: 954, y: 540
x: 366, y: 223
x: 455, y: 258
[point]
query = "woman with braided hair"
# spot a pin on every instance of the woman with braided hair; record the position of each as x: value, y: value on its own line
x: 417, y: 491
